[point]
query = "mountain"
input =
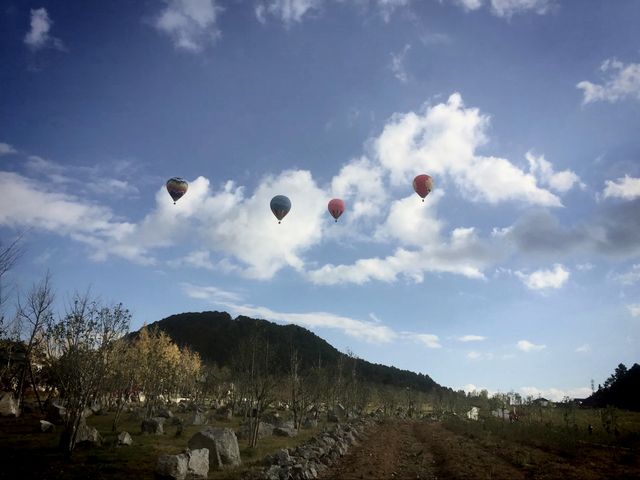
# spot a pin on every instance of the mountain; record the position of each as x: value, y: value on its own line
x: 621, y: 389
x: 216, y: 336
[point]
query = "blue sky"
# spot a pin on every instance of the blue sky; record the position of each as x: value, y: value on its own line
x: 521, y: 271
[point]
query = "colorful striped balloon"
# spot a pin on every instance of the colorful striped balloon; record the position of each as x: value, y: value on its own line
x: 177, y: 187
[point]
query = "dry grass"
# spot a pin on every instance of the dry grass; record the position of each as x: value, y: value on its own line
x: 32, y: 454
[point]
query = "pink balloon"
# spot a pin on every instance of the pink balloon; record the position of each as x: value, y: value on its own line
x: 423, y: 184
x: 336, y: 208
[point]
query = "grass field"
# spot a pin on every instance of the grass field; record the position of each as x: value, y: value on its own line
x: 33, y: 454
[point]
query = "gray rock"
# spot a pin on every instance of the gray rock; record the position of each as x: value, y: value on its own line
x: 310, y: 423
x: 87, y: 434
x: 46, y: 426
x: 164, y: 412
x: 224, y: 414
x: 221, y: 442
x: 172, y: 466
x: 197, y: 418
x: 125, y: 439
x: 197, y: 463
x: 8, y: 405
x: 282, y: 457
x: 285, y: 432
x: 264, y: 430
x: 153, y: 426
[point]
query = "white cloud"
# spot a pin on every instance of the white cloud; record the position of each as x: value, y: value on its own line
x: 527, y: 346
x: 475, y: 390
x: 397, y: 64
x: 369, y: 331
x: 443, y: 141
x: 38, y: 36
x: 191, y: 24
x: 34, y: 206
x: 630, y: 277
x: 543, y: 170
x: 543, y: 279
x: 287, y: 11
x: 360, y: 184
x: 427, y: 339
x: 471, y: 338
x: 634, y: 309
x: 507, y: 8
x: 463, y: 254
x: 627, y: 188
x: 6, y: 149
x: 623, y: 82
x: 583, y: 348
x: 360, y: 329
x: 555, y: 394
x: 585, y: 267
x: 469, y: 4
x: 209, y: 293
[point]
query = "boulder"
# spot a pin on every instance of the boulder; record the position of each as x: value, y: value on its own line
x: 172, y: 466
x: 285, y: 431
x: 282, y: 457
x: 264, y: 430
x: 125, y: 439
x: 8, y: 405
x: 310, y: 423
x: 197, y: 418
x: 164, y: 412
x: 46, y: 426
x: 153, y: 425
x: 224, y: 414
x: 222, y: 444
x: 197, y: 463
x: 87, y: 434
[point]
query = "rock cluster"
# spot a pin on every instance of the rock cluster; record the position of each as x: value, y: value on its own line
x: 192, y: 464
x: 222, y: 445
x: 307, y: 461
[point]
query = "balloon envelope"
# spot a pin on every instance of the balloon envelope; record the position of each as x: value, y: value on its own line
x: 336, y: 208
x: 423, y: 184
x: 280, y: 206
x: 177, y: 187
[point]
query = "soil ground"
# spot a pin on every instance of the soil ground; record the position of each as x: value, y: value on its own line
x: 427, y: 450
x: 394, y: 449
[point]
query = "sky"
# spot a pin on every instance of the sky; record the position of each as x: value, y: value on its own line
x: 520, y: 271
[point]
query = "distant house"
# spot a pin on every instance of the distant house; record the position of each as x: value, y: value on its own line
x: 473, y: 413
x: 541, y: 402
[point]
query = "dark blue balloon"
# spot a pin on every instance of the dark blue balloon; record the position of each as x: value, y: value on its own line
x: 280, y: 206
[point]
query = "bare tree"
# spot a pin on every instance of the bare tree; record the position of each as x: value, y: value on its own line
x: 81, y: 345
x: 9, y: 255
x: 254, y: 368
x: 34, y: 312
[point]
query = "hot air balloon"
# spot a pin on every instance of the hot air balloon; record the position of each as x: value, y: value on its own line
x: 280, y: 206
x: 423, y: 184
x: 336, y: 208
x: 177, y: 187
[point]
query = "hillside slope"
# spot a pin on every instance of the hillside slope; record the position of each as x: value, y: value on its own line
x: 216, y: 336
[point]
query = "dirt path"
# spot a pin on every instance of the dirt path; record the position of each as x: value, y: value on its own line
x: 427, y: 450
x: 391, y: 450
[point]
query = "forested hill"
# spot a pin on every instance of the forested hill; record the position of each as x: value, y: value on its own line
x: 621, y: 389
x: 217, y: 337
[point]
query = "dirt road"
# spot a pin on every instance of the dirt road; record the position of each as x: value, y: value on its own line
x: 426, y: 450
